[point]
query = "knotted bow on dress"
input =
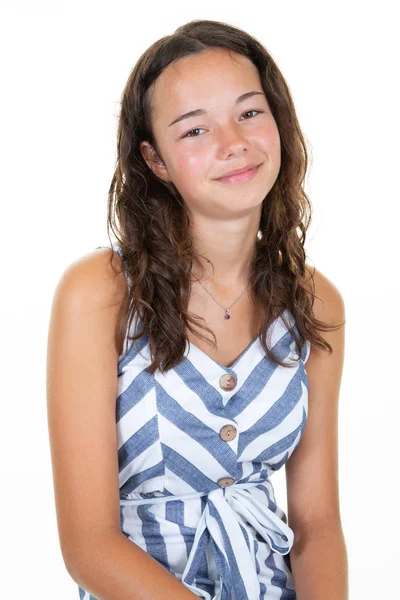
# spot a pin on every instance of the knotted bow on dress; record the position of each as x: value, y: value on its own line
x: 225, y: 522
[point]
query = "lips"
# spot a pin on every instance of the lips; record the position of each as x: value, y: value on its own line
x: 238, y: 171
x: 246, y: 175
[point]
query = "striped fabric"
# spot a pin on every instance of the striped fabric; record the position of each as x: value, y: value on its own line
x: 197, y: 498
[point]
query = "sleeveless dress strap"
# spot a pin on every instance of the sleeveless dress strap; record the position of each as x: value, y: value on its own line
x: 117, y: 249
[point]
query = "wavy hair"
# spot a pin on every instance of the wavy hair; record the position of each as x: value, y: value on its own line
x: 152, y: 227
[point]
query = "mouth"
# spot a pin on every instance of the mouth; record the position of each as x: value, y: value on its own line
x: 240, y: 177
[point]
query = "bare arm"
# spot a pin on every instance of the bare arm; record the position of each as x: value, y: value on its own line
x: 117, y: 569
x: 319, y: 555
x: 319, y: 563
x: 82, y: 357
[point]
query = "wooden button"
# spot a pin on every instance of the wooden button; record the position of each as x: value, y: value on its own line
x: 225, y: 481
x: 228, y: 433
x: 227, y: 382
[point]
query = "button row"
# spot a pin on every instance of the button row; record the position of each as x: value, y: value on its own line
x: 228, y: 432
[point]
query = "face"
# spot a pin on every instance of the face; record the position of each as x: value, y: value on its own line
x: 224, y: 135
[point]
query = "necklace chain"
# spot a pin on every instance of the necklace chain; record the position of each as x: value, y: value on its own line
x: 226, y: 309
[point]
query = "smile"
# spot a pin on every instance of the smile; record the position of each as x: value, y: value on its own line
x: 240, y: 177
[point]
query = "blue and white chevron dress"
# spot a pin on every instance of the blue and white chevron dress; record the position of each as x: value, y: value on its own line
x: 196, y: 449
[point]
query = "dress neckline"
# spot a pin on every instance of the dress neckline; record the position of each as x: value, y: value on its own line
x: 234, y: 364
x: 241, y: 356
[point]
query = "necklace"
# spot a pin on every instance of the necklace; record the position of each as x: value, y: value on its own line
x: 227, y: 313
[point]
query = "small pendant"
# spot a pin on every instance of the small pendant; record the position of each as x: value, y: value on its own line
x: 227, y: 315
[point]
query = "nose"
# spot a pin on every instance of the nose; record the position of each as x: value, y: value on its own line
x: 231, y: 140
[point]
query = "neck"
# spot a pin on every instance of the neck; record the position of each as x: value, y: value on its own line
x: 224, y: 258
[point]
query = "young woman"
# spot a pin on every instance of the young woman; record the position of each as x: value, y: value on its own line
x: 163, y: 440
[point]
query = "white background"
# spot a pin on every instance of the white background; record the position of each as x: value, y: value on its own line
x: 63, y: 68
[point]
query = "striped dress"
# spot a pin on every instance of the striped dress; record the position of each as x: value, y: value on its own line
x: 196, y: 449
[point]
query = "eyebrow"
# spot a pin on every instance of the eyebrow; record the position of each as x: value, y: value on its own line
x: 202, y: 111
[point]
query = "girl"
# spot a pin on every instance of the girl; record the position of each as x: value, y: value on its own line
x: 164, y: 441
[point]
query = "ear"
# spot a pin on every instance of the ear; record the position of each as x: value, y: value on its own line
x: 154, y: 162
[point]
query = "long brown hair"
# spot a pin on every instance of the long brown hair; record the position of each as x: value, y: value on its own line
x: 151, y: 224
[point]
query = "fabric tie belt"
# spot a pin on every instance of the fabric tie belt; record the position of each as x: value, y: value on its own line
x: 225, y: 521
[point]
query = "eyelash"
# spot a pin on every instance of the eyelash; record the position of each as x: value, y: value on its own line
x: 196, y: 128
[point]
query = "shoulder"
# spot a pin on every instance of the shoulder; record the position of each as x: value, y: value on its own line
x: 95, y: 279
x: 328, y: 303
x: 93, y: 291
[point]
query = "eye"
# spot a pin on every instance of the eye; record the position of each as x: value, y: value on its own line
x: 191, y: 131
x: 199, y: 128
x: 252, y: 111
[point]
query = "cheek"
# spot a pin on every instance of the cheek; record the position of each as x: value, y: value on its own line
x: 275, y: 149
x: 272, y: 143
x: 191, y: 170
x: 190, y: 164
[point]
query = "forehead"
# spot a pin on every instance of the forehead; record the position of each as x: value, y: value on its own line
x: 204, y: 79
